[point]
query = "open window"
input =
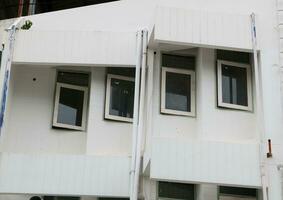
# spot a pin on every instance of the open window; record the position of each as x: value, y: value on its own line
x: 181, y: 191
x: 234, y: 80
x: 237, y: 193
x: 120, y: 91
x: 178, y: 85
x: 71, y: 99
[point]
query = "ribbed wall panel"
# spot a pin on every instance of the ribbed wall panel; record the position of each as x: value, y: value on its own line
x: 75, y: 48
x: 205, y: 162
x: 65, y: 174
x: 201, y: 28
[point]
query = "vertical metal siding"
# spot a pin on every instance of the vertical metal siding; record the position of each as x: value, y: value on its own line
x: 205, y: 162
x: 75, y: 47
x: 65, y: 174
x: 201, y: 28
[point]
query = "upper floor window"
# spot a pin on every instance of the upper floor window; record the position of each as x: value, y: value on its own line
x: 71, y: 99
x: 178, y: 85
x: 237, y: 192
x: 120, y: 91
x: 168, y: 190
x: 234, y: 84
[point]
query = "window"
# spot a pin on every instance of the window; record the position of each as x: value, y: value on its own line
x: 234, y: 85
x: 227, y: 193
x: 119, y: 97
x: 167, y: 190
x: 178, y: 85
x: 71, y: 100
x: 60, y: 198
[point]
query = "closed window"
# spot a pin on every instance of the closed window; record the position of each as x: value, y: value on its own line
x: 178, y: 85
x: 71, y: 99
x: 168, y: 190
x: 234, y: 85
x: 239, y: 193
x: 119, y: 97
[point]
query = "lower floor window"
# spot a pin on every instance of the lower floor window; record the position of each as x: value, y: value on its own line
x: 231, y: 193
x: 119, y: 98
x: 169, y: 190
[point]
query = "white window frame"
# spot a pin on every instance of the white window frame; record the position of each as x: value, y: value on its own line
x: 56, y: 106
x: 165, y: 110
x: 219, y: 85
x: 107, y: 114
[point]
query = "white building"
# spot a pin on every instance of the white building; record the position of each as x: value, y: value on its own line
x: 192, y: 123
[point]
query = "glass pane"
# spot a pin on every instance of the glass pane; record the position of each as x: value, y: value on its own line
x: 70, y: 110
x: 249, y: 192
x: 122, y: 98
x: 176, y: 190
x: 178, y: 92
x: 234, y: 85
x: 80, y: 79
x: 182, y: 62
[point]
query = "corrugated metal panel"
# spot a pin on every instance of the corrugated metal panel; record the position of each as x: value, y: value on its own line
x: 75, y: 48
x: 205, y: 162
x: 65, y: 174
x: 201, y: 28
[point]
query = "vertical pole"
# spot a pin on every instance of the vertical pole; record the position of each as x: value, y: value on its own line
x: 259, y: 107
x: 20, y: 8
x: 136, y: 112
x: 31, y: 10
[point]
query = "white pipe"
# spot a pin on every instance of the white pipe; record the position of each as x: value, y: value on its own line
x: 136, y: 111
x: 141, y: 118
x: 259, y: 106
x: 6, y: 64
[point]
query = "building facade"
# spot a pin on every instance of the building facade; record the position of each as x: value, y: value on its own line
x: 143, y: 99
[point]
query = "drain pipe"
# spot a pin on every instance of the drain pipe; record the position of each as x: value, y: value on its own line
x: 141, y: 117
x: 260, y: 112
x: 6, y: 64
x: 136, y: 112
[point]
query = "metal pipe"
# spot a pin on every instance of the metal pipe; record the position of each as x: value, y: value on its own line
x: 141, y: 117
x: 259, y: 106
x: 136, y: 111
x: 20, y: 8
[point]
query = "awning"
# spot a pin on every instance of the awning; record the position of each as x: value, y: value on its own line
x: 84, y: 48
x: 220, y: 163
x: 200, y: 28
x: 73, y: 175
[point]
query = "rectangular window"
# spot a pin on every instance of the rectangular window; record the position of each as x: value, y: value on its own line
x: 231, y: 193
x: 234, y: 85
x: 178, y: 85
x: 71, y: 100
x: 119, y: 97
x: 167, y: 190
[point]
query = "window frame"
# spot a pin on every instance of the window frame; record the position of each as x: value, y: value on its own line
x: 107, y: 114
x: 165, y: 110
x: 56, y: 106
x: 220, y: 102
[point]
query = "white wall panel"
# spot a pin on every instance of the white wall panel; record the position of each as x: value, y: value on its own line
x: 205, y: 162
x: 75, y: 48
x: 202, y: 28
x: 65, y: 175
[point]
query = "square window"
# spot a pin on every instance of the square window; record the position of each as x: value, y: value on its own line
x: 119, y: 98
x: 234, y: 85
x: 70, y: 102
x: 178, y: 91
x: 168, y: 190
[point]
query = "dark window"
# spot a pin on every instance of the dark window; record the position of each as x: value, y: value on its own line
x: 35, y: 198
x: 178, y: 92
x: 237, y: 191
x: 181, y: 62
x: 122, y: 98
x: 103, y: 198
x: 233, y: 56
x: 176, y: 191
x: 70, y: 100
x: 234, y: 85
x: 60, y: 198
x: 70, y: 110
